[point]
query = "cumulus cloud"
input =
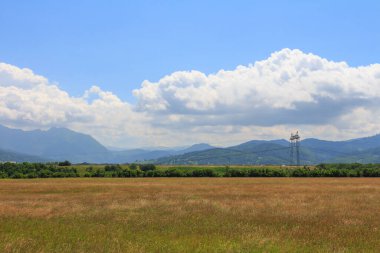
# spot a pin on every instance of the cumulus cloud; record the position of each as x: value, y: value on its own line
x: 30, y: 101
x: 289, y: 87
x: 23, y: 78
x: 289, y: 90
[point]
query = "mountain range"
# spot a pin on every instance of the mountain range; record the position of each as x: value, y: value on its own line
x: 312, y: 151
x: 6, y: 155
x: 58, y: 144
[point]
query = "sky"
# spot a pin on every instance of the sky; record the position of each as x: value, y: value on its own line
x: 168, y: 73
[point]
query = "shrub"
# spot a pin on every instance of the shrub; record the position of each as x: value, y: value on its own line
x: 65, y: 163
x: 147, y: 167
x: 99, y: 173
x: 235, y: 173
x: 18, y: 175
x: 112, y: 167
x: 204, y: 173
x: 133, y: 166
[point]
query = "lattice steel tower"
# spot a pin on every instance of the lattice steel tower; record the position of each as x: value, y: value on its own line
x: 295, y: 140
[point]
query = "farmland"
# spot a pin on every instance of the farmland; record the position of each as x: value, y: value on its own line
x: 190, y: 215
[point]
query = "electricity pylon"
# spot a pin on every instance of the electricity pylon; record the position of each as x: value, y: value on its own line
x: 295, y: 140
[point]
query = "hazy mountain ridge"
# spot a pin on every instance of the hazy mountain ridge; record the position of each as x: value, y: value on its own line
x: 57, y: 144
x: 312, y: 151
x: 55, y: 141
x: 53, y: 144
x: 10, y: 156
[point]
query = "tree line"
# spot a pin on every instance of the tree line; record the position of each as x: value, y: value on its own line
x: 36, y: 170
x: 56, y: 170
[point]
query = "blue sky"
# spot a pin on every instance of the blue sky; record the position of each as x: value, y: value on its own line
x: 118, y: 44
x: 164, y: 73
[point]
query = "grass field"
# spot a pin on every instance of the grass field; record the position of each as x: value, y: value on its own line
x: 190, y: 215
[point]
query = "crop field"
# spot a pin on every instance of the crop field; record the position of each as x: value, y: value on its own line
x: 190, y: 215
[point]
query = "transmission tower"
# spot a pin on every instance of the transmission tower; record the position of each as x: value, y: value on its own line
x: 295, y: 140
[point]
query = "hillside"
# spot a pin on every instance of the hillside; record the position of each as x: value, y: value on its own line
x: 312, y: 151
x: 368, y: 156
x: 136, y: 155
x: 9, y: 156
x: 57, y: 144
x: 349, y: 146
x: 60, y: 144
x: 54, y: 144
x: 258, y: 153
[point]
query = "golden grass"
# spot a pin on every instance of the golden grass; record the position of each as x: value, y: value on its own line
x: 190, y: 215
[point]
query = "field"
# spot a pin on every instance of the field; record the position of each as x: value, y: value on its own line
x: 190, y: 215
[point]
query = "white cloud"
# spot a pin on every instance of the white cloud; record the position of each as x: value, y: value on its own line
x: 29, y: 101
x: 290, y: 89
x: 23, y: 78
x: 264, y: 100
x: 288, y: 82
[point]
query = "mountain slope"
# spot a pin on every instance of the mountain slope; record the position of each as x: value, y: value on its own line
x: 9, y: 156
x: 63, y: 144
x: 342, y: 147
x: 312, y: 151
x: 55, y: 143
x: 135, y: 155
x: 262, y: 153
x: 196, y: 147
x: 368, y: 156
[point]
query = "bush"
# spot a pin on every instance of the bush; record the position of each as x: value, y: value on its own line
x: 18, y: 175
x: 99, y: 173
x: 235, y: 173
x: 204, y: 173
x: 173, y: 173
x: 147, y: 167
x: 65, y: 163
x: 112, y: 167
x: 133, y: 166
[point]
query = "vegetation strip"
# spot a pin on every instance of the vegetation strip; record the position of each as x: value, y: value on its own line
x: 65, y: 169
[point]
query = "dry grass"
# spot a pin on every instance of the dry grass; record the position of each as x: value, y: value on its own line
x: 190, y: 215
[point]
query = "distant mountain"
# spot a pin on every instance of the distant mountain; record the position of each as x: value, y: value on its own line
x: 58, y: 144
x: 54, y: 144
x: 252, y: 152
x: 136, y: 155
x: 252, y: 145
x: 195, y: 147
x: 10, y: 156
x: 368, y: 156
x: 343, y: 147
x: 312, y: 151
